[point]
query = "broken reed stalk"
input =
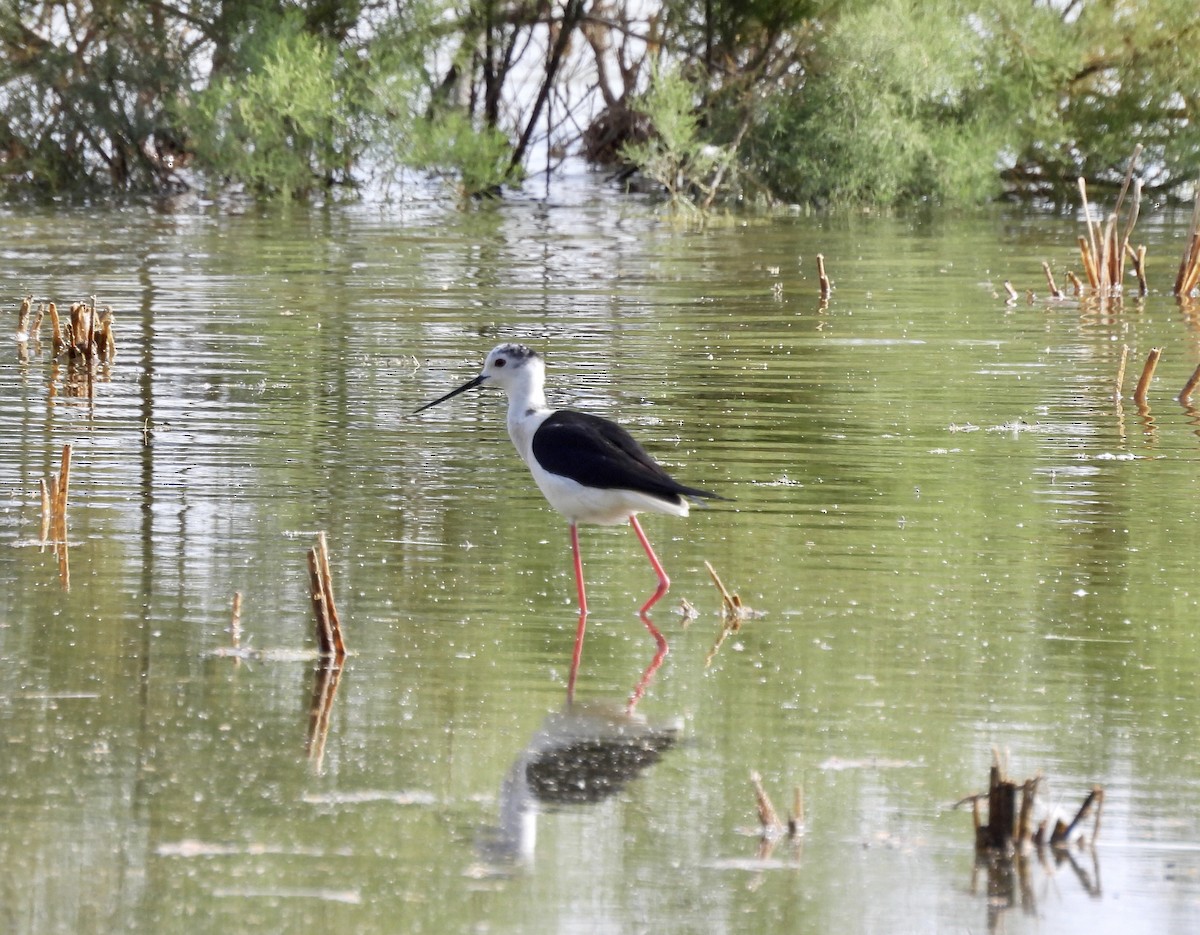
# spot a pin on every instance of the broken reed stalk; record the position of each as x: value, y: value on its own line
x: 44, y: 535
x: 1143, y: 384
x: 64, y: 486
x: 329, y: 625
x: 1189, y: 266
x: 796, y: 818
x: 56, y: 329
x: 1012, y: 293
x: 1185, y: 395
x: 235, y: 620
x: 23, y: 316
x: 826, y: 285
x: 1054, y: 290
x: 54, y: 501
x: 1139, y: 267
x: 1010, y: 829
x: 767, y: 816
x: 1121, y: 371
x: 1064, y: 833
x: 1103, y: 252
x: 87, y: 332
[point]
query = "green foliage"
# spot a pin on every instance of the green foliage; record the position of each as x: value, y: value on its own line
x: 280, y: 119
x: 676, y: 156
x: 821, y: 101
x: 886, y: 114
x: 953, y: 101
x: 81, y: 95
x: 452, y: 144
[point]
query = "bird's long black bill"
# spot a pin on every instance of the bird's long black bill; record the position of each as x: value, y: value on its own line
x: 469, y: 385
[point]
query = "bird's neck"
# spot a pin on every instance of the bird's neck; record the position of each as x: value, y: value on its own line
x: 527, y: 410
x: 526, y: 399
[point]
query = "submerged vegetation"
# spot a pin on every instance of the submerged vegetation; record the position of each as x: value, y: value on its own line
x: 810, y: 101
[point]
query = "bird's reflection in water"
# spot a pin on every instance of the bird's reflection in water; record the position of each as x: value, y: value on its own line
x: 580, y: 755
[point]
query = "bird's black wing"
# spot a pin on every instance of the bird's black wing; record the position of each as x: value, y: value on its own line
x: 598, y: 453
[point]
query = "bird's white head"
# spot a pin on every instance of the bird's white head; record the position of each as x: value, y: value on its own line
x: 514, y: 368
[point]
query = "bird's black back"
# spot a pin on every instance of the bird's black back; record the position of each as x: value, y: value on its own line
x: 598, y: 453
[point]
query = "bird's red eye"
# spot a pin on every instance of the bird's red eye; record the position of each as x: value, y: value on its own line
x: 499, y: 362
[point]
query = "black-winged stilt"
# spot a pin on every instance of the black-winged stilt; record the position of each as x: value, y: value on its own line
x: 590, y: 469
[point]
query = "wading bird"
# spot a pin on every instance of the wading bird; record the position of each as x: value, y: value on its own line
x: 590, y: 469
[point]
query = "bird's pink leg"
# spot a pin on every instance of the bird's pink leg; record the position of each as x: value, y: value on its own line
x: 577, y: 656
x: 663, y: 582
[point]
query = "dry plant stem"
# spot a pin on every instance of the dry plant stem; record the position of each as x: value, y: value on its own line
x: 766, y: 811
x: 1139, y: 266
x: 1121, y: 371
x: 1110, y: 280
x: 23, y: 315
x: 329, y: 626
x: 1090, y: 247
x: 1139, y: 395
x: 729, y: 602
x: 1054, y: 290
x: 826, y: 285
x: 56, y: 327
x: 1076, y: 283
x: 1192, y: 252
x: 320, y: 611
x: 1192, y: 275
x: 60, y: 501
x: 45, y: 491
x: 1064, y: 833
x: 235, y: 622
x: 1008, y: 288
x: 1025, y: 820
x: 1185, y: 395
x: 1089, y: 263
x: 327, y: 576
x: 796, y: 819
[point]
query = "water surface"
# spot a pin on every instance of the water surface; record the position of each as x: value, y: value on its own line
x: 958, y: 539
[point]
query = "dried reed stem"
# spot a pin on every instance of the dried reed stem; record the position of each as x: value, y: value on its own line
x: 235, y: 620
x: 796, y: 818
x: 329, y: 625
x: 1143, y: 384
x: 44, y: 534
x: 1054, y: 290
x: 1185, y: 395
x: 1189, y: 266
x: 56, y: 327
x: 1089, y: 263
x: 1012, y: 293
x: 1139, y: 266
x: 766, y: 811
x: 826, y: 285
x: 23, y: 316
x: 59, y: 506
x: 1120, y: 382
x: 1090, y: 248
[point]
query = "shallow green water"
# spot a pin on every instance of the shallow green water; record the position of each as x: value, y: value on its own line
x: 959, y: 540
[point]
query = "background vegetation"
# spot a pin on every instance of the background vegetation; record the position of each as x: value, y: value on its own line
x: 815, y: 101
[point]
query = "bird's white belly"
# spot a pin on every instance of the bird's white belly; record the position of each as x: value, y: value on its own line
x: 609, y: 507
